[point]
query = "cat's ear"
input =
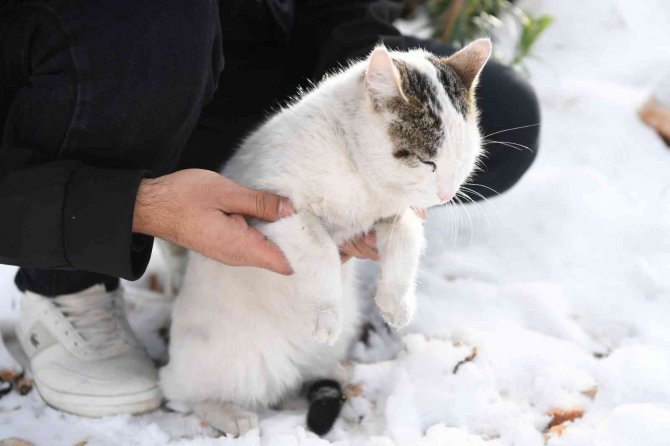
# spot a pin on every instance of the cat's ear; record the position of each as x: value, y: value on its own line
x: 382, y: 79
x: 469, y: 61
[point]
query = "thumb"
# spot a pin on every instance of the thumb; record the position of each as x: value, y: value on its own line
x: 255, y: 203
x: 255, y: 249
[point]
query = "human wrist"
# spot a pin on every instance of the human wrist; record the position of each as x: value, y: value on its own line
x: 150, y: 214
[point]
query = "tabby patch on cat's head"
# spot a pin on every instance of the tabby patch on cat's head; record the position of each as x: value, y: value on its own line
x: 428, y: 104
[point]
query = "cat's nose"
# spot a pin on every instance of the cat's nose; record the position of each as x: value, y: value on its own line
x: 445, y: 196
x: 446, y: 188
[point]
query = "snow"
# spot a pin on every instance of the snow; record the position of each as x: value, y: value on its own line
x: 560, y: 288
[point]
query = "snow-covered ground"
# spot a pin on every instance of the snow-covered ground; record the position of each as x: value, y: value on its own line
x: 558, y: 291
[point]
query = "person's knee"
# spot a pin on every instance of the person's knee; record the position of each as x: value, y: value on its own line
x: 510, y: 109
x: 510, y: 123
x: 527, y: 120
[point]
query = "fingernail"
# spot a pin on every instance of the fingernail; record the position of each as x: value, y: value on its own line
x: 371, y: 239
x: 285, y: 208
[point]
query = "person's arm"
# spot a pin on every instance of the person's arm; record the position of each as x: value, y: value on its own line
x: 64, y: 214
x: 58, y: 213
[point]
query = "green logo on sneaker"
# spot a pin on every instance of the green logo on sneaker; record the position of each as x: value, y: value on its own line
x: 40, y: 338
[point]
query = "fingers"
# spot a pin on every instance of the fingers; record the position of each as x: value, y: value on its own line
x: 362, y: 247
x: 254, y: 203
x: 230, y: 240
x: 254, y: 249
x: 656, y: 116
x: 421, y: 212
x: 370, y: 240
x: 267, y: 255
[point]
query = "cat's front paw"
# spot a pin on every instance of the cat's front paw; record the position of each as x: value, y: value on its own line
x: 327, y: 324
x: 397, y: 306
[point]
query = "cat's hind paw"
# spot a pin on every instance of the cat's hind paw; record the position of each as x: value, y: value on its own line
x: 327, y: 324
x: 228, y: 418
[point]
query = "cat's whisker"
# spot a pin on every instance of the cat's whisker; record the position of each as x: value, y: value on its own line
x: 482, y: 185
x: 503, y: 143
x: 486, y: 200
x: 457, y: 222
x: 464, y: 196
x: 516, y: 144
x: 471, y: 200
x: 460, y: 220
x: 513, y: 145
x: 457, y: 209
x: 477, y: 206
x: 467, y: 189
x: 388, y: 242
x: 452, y: 221
x: 510, y: 129
x: 486, y: 143
x: 467, y: 214
x: 471, y: 221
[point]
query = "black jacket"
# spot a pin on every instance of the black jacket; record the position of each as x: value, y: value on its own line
x: 63, y: 209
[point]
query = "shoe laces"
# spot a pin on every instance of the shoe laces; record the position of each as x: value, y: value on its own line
x: 98, y: 317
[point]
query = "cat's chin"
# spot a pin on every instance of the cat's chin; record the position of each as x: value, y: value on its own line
x: 425, y: 202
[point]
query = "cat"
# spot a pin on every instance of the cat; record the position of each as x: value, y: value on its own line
x: 389, y: 134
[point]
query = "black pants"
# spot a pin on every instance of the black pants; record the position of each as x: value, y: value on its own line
x: 242, y: 100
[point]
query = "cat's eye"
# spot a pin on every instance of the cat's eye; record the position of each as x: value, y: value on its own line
x: 429, y: 163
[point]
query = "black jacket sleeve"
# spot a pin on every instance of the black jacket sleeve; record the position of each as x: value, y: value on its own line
x: 59, y: 213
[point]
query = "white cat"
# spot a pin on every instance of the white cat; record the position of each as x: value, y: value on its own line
x: 388, y: 134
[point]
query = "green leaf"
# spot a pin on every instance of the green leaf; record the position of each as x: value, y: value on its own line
x: 480, y: 17
x: 532, y: 28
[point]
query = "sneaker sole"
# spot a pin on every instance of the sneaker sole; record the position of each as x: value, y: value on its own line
x: 100, y: 406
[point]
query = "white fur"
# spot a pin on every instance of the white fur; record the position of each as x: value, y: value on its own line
x: 244, y: 337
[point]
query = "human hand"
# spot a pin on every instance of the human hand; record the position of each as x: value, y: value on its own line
x: 365, y: 246
x: 203, y: 211
x: 361, y: 247
x: 657, y: 116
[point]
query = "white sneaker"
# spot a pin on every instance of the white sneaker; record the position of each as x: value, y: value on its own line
x: 84, y: 357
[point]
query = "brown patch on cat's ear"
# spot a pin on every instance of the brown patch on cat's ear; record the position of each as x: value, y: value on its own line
x: 382, y: 79
x: 469, y: 61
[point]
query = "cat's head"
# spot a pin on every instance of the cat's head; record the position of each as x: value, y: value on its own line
x: 422, y: 112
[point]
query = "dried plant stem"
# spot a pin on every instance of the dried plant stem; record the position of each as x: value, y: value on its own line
x: 450, y: 17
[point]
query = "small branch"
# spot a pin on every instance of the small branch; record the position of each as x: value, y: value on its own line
x: 450, y: 17
x: 469, y: 358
